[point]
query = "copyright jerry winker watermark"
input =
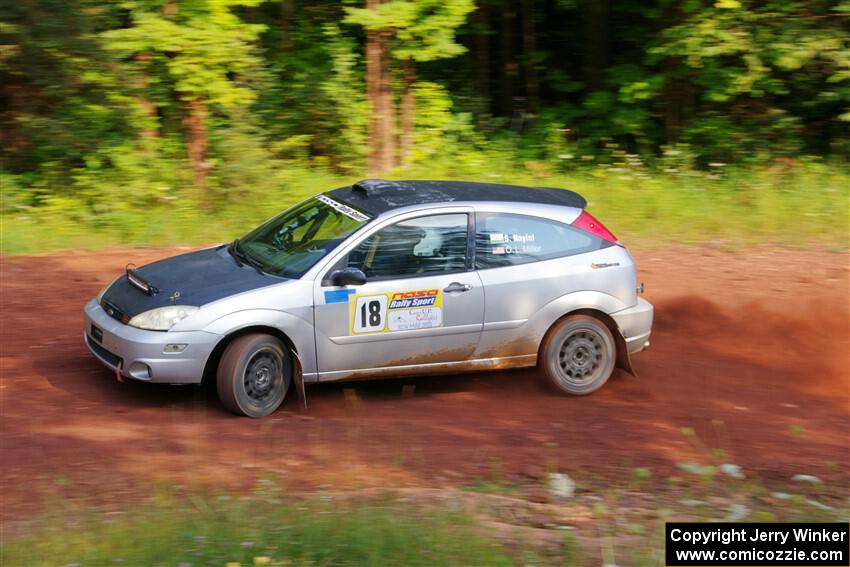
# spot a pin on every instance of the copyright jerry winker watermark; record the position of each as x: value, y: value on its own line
x: 757, y: 544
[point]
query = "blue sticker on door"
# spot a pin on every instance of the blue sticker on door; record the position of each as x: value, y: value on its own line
x: 338, y: 295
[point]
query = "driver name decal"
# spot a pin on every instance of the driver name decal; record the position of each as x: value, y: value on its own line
x: 395, y: 311
x: 344, y: 209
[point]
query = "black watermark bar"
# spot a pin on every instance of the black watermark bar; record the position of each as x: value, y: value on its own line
x: 757, y: 544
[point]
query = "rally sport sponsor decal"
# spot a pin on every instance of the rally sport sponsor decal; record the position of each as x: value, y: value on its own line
x: 395, y: 311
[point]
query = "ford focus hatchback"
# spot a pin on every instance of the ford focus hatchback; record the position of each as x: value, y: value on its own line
x: 383, y: 279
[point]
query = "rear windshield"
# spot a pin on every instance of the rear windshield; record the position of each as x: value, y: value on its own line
x: 291, y: 243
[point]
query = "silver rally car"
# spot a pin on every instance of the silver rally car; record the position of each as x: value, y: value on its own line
x: 382, y: 279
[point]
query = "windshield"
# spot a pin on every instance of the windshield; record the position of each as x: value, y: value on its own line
x: 292, y: 242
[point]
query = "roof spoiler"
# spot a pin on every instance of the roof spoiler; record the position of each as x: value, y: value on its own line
x: 581, y: 201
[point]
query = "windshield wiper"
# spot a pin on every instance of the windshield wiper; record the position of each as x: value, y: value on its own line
x: 235, y: 253
x: 241, y: 257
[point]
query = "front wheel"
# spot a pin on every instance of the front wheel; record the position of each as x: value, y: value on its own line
x: 254, y: 375
x: 578, y: 355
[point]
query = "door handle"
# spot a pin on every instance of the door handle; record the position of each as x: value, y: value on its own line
x: 457, y: 287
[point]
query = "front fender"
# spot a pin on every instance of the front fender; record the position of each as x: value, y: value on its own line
x: 297, y: 327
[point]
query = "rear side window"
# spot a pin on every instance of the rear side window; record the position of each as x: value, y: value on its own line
x: 508, y: 240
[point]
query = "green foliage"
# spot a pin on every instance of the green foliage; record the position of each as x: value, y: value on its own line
x: 94, y: 101
x: 315, y: 111
x: 59, y: 100
x: 758, y: 70
x: 201, y: 48
x: 424, y: 29
x: 431, y: 33
x: 442, y: 138
x: 266, y: 527
x: 344, y: 90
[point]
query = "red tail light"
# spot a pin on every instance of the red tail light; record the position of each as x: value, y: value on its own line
x: 588, y: 223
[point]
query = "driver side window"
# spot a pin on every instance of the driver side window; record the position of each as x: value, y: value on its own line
x: 425, y: 245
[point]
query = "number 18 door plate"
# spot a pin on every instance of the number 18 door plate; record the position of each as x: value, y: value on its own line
x: 395, y: 311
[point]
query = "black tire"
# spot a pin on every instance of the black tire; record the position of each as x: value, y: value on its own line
x: 254, y: 375
x: 578, y: 355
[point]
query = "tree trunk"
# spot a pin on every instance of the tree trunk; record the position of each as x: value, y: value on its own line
x: 169, y: 9
x: 148, y: 131
x: 672, y: 96
x: 379, y: 92
x: 510, y: 67
x: 408, y: 111
x: 373, y: 93
x: 150, y: 110
x: 287, y: 19
x: 678, y: 93
x: 595, y: 23
x: 529, y: 45
x: 373, y: 71
x: 481, y: 51
x: 195, y: 122
x: 387, y: 116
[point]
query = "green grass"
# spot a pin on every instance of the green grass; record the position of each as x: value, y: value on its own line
x: 615, y: 524
x: 257, y: 530
x: 804, y: 206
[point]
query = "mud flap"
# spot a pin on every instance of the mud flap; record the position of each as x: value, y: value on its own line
x: 624, y: 359
x: 298, y: 379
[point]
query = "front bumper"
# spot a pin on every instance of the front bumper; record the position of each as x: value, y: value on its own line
x: 140, y: 352
x: 636, y: 325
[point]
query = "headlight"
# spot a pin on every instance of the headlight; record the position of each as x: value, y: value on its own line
x: 99, y: 296
x: 162, y: 318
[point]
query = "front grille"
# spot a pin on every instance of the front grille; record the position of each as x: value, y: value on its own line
x: 112, y: 310
x: 112, y: 359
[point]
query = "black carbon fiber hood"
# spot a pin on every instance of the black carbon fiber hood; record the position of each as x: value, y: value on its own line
x: 200, y: 277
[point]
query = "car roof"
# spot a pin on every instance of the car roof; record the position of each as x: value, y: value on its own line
x: 376, y: 196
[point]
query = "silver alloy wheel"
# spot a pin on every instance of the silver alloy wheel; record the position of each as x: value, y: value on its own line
x: 263, y: 374
x: 581, y: 357
x: 578, y: 354
x: 254, y: 374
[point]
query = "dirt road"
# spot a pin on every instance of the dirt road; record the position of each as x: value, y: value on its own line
x: 750, y: 353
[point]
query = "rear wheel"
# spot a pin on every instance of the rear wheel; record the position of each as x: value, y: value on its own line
x: 254, y: 375
x: 578, y: 355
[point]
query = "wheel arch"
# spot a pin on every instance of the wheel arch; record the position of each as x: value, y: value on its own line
x: 624, y: 361
x: 215, y: 356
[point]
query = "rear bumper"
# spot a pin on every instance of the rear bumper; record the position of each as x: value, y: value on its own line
x: 636, y: 325
x: 140, y: 352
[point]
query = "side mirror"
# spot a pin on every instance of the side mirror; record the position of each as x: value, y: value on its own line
x: 348, y: 276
